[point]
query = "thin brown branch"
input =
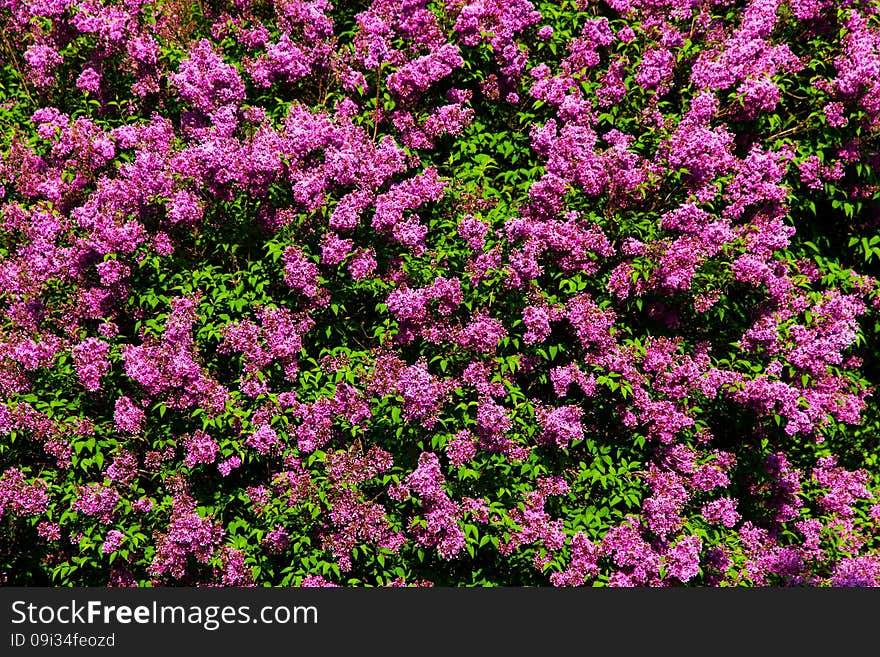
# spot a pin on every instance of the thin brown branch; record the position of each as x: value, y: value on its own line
x: 14, y: 59
x: 378, y: 99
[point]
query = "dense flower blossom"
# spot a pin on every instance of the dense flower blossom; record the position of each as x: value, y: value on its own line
x: 857, y: 571
x: 300, y: 273
x: 42, y: 60
x: 19, y: 497
x: 440, y: 527
x: 683, y: 559
x: 461, y: 448
x: 123, y: 469
x: 200, y: 448
x: 228, y: 465
x: 561, y: 425
x: 234, y: 569
x: 277, y: 539
x: 636, y: 562
x: 128, y: 416
x: 721, y: 512
x: 188, y: 534
x: 264, y: 439
x: 409, y: 292
x: 49, y: 530
x: 584, y: 563
x: 206, y: 81
x: 112, y: 541
x: 91, y: 363
x: 99, y: 501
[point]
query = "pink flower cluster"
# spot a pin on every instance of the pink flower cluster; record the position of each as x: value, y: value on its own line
x: 302, y: 291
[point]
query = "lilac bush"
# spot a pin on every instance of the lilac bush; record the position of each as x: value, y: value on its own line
x: 439, y: 292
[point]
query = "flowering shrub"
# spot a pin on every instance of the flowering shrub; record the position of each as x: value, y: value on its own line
x: 439, y: 292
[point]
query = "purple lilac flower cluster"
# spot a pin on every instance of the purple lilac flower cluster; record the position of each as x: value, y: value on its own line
x: 423, y: 292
